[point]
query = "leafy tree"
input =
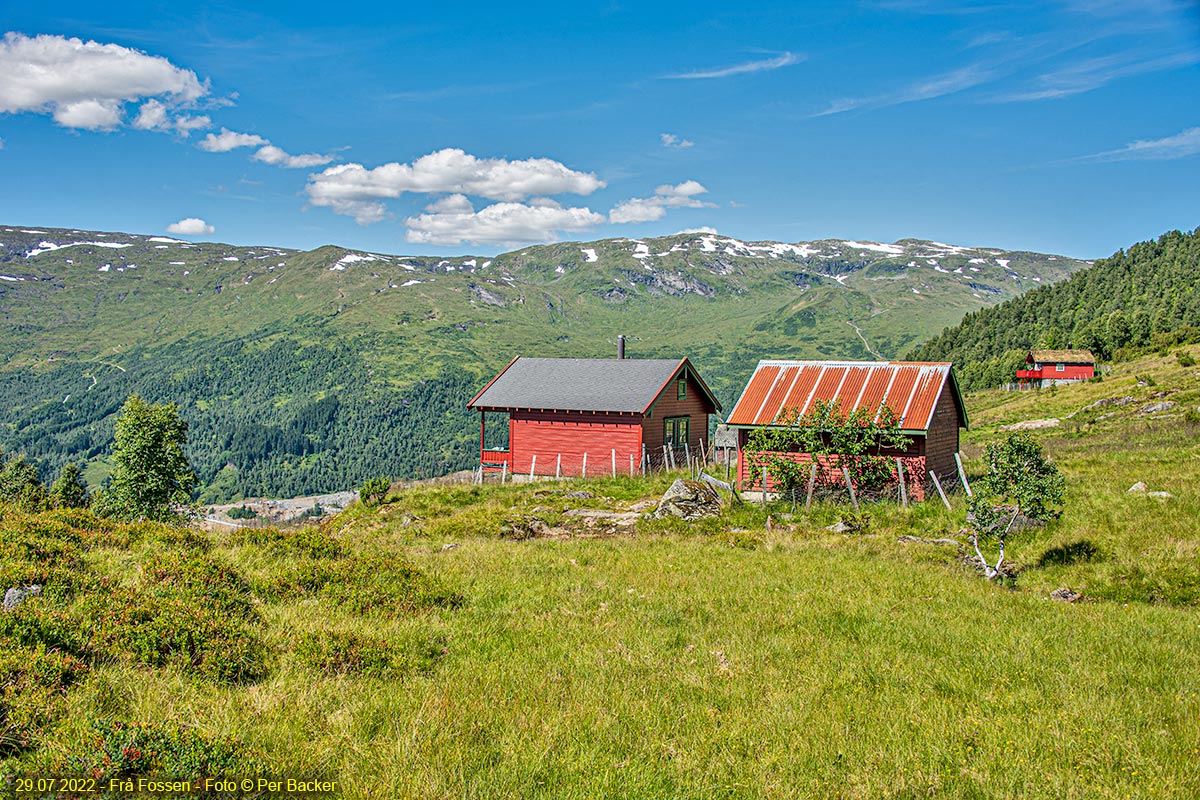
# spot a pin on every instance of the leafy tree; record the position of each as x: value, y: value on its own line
x: 20, y: 485
x: 832, y: 437
x: 151, y: 472
x: 1020, y: 481
x: 69, y: 490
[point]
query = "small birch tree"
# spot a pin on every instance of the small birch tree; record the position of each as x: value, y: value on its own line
x: 1020, y: 481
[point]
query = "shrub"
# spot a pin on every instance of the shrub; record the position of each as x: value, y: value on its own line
x: 156, y: 631
x: 192, y: 611
x: 35, y: 681
x: 374, y: 491
x: 127, y: 749
x: 242, y: 512
x: 1186, y: 359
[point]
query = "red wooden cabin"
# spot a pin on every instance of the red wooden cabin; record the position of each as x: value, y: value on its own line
x: 1048, y: 367
x: 923, y: 395
x: 549, y: 415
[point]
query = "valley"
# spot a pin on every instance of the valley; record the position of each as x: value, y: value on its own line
x: 309, y: 372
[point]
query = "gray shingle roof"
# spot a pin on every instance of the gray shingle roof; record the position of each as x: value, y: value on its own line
x: 578, y: 384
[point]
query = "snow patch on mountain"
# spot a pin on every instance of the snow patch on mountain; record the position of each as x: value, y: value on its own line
x: 878, y: 247
x: 589, y: 255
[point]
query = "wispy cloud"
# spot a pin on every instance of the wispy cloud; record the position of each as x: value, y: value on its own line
x: 784, y: 59
x: 925, y: 89
x: 1093, y: 73
x: 1181, y: 145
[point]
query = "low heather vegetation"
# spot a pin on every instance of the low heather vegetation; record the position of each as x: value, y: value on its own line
x: 418, y: 647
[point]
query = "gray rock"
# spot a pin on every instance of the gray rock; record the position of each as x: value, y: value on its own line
x: 17, y: 595
x: 1137, y: 488
x: 1160, y: 495
x: 689, y: 500
x: 579, y: 494
x: 1065, y: 595
x: 450, y: 546
x: 1032, y: 424
x: 1155, y: 408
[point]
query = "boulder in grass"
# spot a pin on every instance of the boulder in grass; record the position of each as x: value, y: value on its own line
x: 18, y: 594
x: 689, y: 500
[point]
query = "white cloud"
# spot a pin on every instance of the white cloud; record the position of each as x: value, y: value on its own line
x: 154, y: 116
x: 191, y: 226
x: 926, y: 89
x: 228, y: 140
x: 702, y: 229
x: 86, y: 84
x: 453, y: 220
x: 354, y: 190
x: 270, y: 154
x: 784, y: 59
x: 1181, y: 145
x: 671, y: 140
x: 648, y: 209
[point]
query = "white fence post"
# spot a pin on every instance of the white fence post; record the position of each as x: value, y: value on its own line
x: 532, y: 466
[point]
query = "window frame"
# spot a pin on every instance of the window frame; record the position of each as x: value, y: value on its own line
x: 681, y: 389
x: 671, y: 430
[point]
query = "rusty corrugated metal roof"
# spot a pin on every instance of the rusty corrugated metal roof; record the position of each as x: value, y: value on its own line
x: 910, y: 388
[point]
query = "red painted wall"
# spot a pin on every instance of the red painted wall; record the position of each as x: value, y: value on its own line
x: 549, y: 434
x: 916, y: 476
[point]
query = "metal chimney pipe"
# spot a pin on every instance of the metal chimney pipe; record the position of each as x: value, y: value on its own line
x: 621, y: 347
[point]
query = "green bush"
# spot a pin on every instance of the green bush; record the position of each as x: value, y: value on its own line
x: 374, y: 491
x: 35, y: 682
x: 1019, y: 472
x: 242, y: 512
x: 1186, y: 359
x: 192, y: 611
x: 115, y: 749
x: 156, y: 631
x: 308, y: 541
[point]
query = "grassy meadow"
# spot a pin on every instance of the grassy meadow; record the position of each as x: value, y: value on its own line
x: 433, y: 648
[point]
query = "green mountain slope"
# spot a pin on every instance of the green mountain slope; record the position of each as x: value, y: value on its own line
x: 1151, y: 288
x: 307, y: 371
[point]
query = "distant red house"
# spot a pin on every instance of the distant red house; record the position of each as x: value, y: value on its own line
x: 1048, y: 367
x: 550, y: 416
x: 924, y: 395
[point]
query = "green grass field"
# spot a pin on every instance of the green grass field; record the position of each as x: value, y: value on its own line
x: 719, y: 659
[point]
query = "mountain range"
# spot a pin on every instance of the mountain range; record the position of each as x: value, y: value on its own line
x: 303, y: 371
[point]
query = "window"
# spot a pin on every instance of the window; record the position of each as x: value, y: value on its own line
x: 681, y: 389
x: 675, y: 431
x: 1060, y: 367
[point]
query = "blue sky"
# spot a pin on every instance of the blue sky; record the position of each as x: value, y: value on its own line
x: 1069, y: 127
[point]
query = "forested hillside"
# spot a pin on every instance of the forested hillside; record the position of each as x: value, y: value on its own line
x: 1147, y: 291
x: 306, y: 372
